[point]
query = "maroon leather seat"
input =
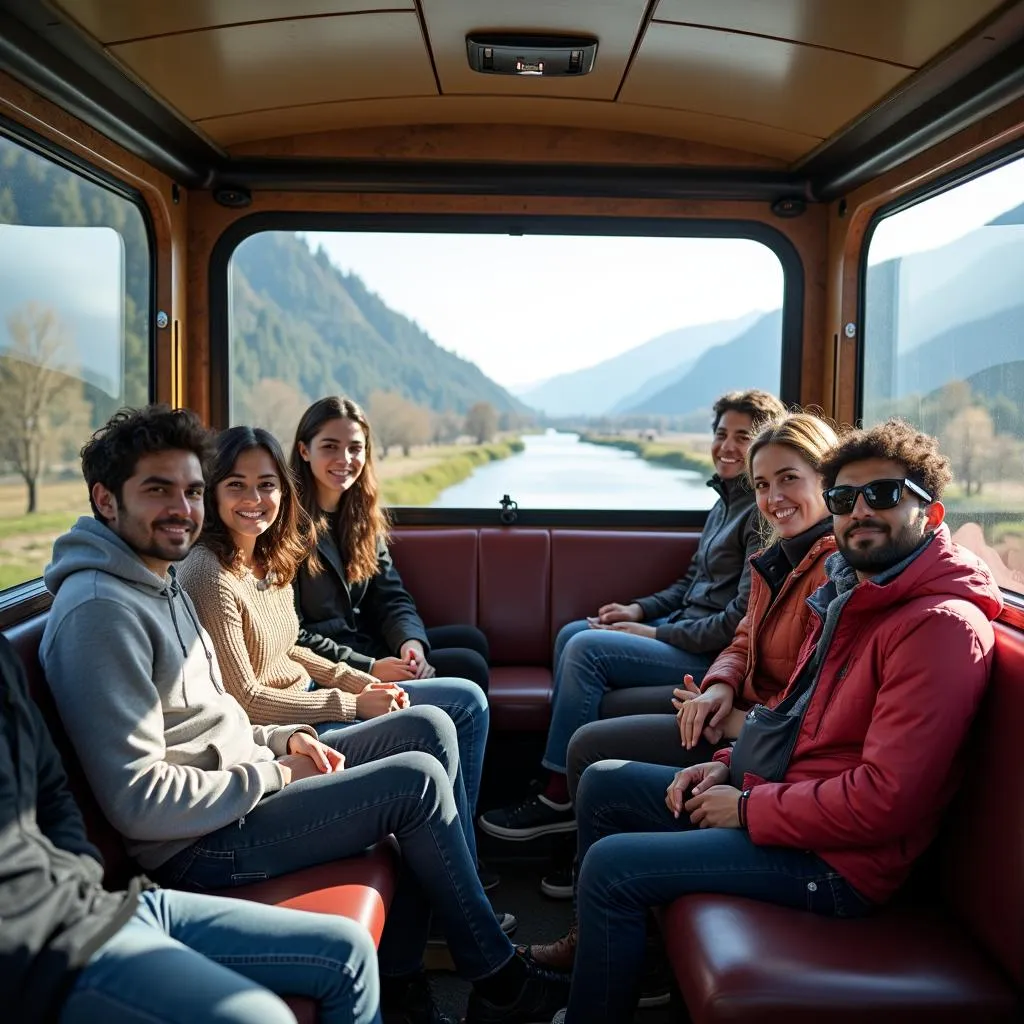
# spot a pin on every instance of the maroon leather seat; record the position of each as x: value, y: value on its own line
x: 360, y: 887
x: 521, y: 586
x: 959, y: 958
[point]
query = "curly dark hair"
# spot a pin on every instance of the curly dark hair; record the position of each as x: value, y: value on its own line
x: 362, y: 520
x: 282, y: 548
x: 110, y: 456
x: 761, y: 406
x: 897, y: 441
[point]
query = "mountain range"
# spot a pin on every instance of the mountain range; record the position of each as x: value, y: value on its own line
x: 615, y: 385
x: 298, y: 319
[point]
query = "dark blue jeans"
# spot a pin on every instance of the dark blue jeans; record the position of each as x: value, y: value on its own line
x: 397, y: 780
x: 466, y: 705
x: 186, y: 958
x: 634, y: 854
x: 590, y: 662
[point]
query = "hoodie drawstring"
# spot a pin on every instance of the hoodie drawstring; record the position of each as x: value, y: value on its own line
x: 171, y: 593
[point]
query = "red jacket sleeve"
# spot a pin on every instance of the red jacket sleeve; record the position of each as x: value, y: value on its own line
x: 730, y: 667
x: 935, y: 672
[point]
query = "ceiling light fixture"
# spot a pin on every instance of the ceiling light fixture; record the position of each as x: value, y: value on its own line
x: 499, y: 53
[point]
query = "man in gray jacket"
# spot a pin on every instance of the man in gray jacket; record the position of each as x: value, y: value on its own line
x: 652, y: 642
x: 71, y: 950
x: 205, y: 799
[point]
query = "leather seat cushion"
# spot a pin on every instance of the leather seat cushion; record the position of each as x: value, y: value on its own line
x: 520, y: 698
x: 358, y: 887
x: 737, y: 959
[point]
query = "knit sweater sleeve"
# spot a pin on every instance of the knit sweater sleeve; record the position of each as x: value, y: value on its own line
x: 330, y: 673
x: 218, y: 601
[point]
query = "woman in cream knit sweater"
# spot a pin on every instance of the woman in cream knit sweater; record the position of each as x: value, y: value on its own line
x: 239, y: 577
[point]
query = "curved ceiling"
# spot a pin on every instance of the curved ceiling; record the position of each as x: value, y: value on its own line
x: 773, y: 78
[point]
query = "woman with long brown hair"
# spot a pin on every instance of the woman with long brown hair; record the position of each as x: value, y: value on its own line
x: 240, y: 575
x: 352, y: 606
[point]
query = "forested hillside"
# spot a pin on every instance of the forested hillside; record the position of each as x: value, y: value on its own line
x: 298, y: 320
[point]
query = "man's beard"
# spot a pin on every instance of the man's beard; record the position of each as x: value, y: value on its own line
x: 879, y: 557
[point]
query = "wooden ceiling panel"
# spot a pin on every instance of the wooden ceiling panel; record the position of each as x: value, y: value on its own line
x: 281, y: 64
x: 796, y: 88
x: 111, y: 21
x: 614, y: 23
x: 774, y: 143
x: 908, y: 32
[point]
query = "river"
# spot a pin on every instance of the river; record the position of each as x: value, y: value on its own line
x: 558, y: 470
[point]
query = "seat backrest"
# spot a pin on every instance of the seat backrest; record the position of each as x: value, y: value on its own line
x: 521, y: 586
x: 25, y: 638
x: 983, y: 838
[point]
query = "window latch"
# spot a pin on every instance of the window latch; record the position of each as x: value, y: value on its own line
x: 509, y: 510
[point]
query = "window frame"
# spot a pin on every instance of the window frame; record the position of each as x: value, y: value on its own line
x: 1013, y: 610
x: 31, y: 597
x: 510, y: 224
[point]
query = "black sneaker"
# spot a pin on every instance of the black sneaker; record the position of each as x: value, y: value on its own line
x: 488, y: 879
x: 543, y: 994
x: 409, y: 1000
x: 557, y: 883
x: 532, y: 817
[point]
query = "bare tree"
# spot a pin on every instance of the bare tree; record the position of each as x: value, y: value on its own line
x: 967, y: 440
x: 447, y: 427
x: 41, y: 400
x: 276, y: 406
x: 482, y: 422
x: 396, y: 420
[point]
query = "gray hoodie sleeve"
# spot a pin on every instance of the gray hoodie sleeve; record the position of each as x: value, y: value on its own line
x: 111, y: 711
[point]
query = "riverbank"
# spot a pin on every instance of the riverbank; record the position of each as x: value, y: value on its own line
x: 662, y: 453
x: 422, y: 488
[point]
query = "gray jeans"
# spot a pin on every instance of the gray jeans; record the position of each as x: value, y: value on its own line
x: 653, y: 739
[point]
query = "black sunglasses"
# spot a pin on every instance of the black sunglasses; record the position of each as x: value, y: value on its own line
x: 879, y: 494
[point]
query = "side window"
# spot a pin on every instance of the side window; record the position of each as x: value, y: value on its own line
x: 568, y: 372
x: 74, y: 342
x: 944, y: 348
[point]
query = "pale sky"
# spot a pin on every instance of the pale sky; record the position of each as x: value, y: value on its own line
x: 79, y: 272
x: 525, y: 308
x: 949, y: 215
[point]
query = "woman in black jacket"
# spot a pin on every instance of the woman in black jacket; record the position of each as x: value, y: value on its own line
x: 351, y: 602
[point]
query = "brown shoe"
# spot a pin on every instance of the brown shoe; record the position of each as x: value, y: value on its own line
x: 555, y: 956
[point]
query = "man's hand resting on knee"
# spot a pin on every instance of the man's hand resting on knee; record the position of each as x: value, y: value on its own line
x: 308, y: 757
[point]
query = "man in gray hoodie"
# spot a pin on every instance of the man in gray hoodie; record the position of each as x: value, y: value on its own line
x: 204, y: 798
x: 72, y: 951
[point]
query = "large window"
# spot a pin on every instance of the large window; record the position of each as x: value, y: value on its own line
x: 944, y: 348
x: 569, y: 372
x: 74, y: 342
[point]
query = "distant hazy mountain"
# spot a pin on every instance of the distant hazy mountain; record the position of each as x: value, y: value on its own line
x: 605, y: 387
x: 750, y: 360
x: 962, y: 352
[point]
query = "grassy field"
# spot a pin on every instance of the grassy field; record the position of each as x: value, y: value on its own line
x: 683, y: 451
x: 26, y: 540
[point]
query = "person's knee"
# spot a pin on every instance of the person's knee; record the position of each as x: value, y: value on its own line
x: 604, y: 866
x: 432, y: 730
x: 602, y: 783
x: 424, y: 781
x: 476, y: 670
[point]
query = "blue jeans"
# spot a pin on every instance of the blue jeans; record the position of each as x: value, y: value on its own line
x: 590, y: 662
x: 191, y: 959
x: 634, y: 854
x: 398, y: 779
x: 466, y: 705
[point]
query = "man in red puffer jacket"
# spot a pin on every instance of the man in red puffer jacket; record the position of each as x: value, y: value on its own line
x: 826, y: 801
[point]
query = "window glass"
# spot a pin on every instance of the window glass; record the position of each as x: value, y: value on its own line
x: 944, y: 348
x: 74, y: 342
x: 565, y: 371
